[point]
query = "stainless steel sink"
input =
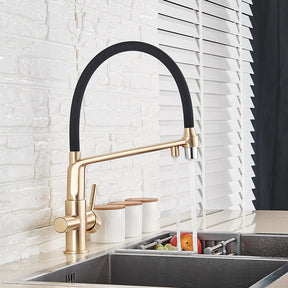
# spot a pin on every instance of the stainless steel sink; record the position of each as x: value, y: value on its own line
x: 252, y: 260
x: 166, y: 271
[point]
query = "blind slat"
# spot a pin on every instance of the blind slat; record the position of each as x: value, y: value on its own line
x: 221, y: 88
x: 215, y: 126
x: 178, y: 41
x: 189, y: 71
x: 218, y: 191
x: 224, y: 114
x: 175, y: 25
x: 222, y: 164
x: 222, y: 152
x: 219, y: 11
x: 220, y: 37
x: 181, y: 56
x: 219, y: 139
x: 170, y: 9
x: 220, y: 24
x: 222, y: 177
x: 215, y: 61
x: 221, y: 75
x: 172, y: 98
x: 192, y: 4
x: 232, y: 4
x: 246, y: 21
x: 214, y: 100
x: 210, y: 115
x: 168, y: 83
x: 220, y: 50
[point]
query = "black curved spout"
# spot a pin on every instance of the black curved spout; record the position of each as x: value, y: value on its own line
x: 109, y: 52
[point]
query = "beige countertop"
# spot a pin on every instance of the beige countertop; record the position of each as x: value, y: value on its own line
x: 234, y: 221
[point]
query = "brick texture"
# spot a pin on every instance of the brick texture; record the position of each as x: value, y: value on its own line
x: 44, y: 46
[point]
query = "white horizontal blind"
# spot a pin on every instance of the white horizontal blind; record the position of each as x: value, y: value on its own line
x: 210, y: 43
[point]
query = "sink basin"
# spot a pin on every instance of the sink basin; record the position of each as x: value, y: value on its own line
x: 253, y: 261
x: 165, y: 271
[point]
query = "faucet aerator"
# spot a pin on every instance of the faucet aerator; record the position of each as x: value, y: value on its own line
x: 191, y: 153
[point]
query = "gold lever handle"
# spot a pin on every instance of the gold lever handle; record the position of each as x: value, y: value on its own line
x: 93, y: 220
x: 92, y: 196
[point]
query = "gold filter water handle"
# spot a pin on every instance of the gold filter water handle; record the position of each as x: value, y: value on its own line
x: 92, y: 197
x: 93, y: 220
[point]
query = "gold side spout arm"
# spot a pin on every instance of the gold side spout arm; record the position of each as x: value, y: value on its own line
x: 76, y: 169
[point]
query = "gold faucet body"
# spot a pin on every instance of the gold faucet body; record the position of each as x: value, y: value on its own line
x: 78, y: 220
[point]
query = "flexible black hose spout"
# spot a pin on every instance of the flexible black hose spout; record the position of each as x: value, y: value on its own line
x: 109, y: 52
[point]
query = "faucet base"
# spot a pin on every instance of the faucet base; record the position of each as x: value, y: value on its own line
x: 74, y: 253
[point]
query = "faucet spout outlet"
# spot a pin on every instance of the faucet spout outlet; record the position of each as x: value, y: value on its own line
x: 191, y: 145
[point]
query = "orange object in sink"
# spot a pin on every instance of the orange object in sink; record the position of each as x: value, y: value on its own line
x: 186, y: 242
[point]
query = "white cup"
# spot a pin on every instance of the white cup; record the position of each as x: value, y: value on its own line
x: 150, y: 213
x: 133, y: 217
x: 112, y: 229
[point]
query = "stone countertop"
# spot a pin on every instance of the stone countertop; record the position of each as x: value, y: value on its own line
x: 234, y: 221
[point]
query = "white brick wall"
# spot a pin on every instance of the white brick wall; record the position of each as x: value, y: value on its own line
x: 44, y: 46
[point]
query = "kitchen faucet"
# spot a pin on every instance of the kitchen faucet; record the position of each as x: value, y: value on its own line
x: 78, y: 220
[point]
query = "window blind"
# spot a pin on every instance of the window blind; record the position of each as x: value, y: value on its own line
x: 210, y: 41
